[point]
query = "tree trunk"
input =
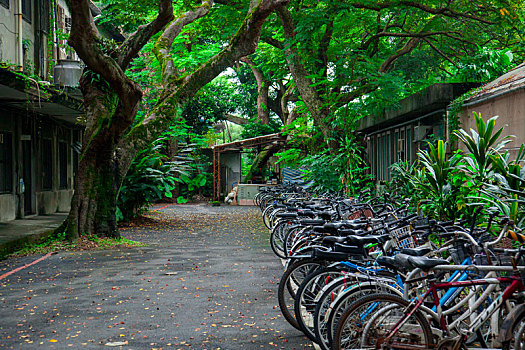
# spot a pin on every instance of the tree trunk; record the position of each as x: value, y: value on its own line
x: 102, y: 165
x: 260, y: 161
x: 94, y: 204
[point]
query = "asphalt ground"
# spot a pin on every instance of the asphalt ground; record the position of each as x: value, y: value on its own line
x: 207, y: 280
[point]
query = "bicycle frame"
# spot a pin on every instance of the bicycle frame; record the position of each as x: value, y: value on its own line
x: 515, y: 285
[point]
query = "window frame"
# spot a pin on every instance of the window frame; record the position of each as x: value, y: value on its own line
x: 47, y: 158
x: 6, y: 159
x: 62, y: 165
x: 27, y: 10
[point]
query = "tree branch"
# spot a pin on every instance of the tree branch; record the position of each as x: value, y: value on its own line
x: 163, y: 45
x: 235, y: 119
x: 323, y: 47
x: 137, y: 40
x: 407, y: 48
x: 273, y: 42
x: 85, y: 39
x: 178, y: 91
x: 263, y: 86
x: 445, y: 11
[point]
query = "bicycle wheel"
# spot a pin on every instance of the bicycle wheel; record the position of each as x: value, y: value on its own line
x: 266, y: 214
x: 308, y: 292
x: 291, y: 236
x: 277, y: 238
x: 518, y: 339
x: 368, y: 322
x: 352, y: 291
x: 290, y: 282
x: 351, y: 295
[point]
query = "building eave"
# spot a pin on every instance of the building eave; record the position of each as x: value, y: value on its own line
x: 20, y: 92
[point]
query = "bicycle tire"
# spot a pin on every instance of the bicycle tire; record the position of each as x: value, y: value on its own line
x: 348, y: 297
x: 290, y: 282
x: 277, y: 240
x: 304, y: 301
x: 518, y: 338
x: 357, y: 328
x: 353, y: 290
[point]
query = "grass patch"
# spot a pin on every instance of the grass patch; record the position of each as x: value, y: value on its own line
x: 53, y: 244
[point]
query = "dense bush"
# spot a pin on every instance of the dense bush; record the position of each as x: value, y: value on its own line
x: 150, y: 178
x: 448, y: 185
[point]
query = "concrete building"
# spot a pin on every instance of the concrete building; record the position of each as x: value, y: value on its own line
x: 398, y: 133
x: 39, y: 129
x: 504, y: 97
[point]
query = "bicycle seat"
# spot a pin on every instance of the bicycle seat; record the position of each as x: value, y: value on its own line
x: 387, y: 261
x: 334, y: 239
x: 354, y: 225
x: 349, y: 249
x: 425, y: 263
x: 362, y: 240
x: 311, y: 222
x: 333, y: 225
x: 349, y: 232
x: 292, y: 209
x: 332, y: 256
x: 401, y: 260
x: 419, y: 251
x: 286, y: 215
x: 306, y: 213
x: 325, y: 214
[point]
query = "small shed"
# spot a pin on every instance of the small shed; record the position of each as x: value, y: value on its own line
x: 227, y: 161
x: 504, y: 97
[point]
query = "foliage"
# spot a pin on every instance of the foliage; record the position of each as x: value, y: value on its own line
x: 439, y: 188
x: 55, y: 244
x: 321, y: 169
x: 482, y: 145
x: 482, y: 66
x: 451, y: 186
x: 151, y: 177
x: 255, y: 128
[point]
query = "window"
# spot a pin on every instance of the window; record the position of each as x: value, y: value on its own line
x: 26, y: 10
x: 6, y: 162
x: 62, y: 156
x: 44, y: 15
x: 47, y: 164
x: 4, y: 3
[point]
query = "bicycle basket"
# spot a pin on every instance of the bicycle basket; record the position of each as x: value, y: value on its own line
x: 402, y: 237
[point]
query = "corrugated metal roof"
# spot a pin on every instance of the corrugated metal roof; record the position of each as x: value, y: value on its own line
x: 513, y: 80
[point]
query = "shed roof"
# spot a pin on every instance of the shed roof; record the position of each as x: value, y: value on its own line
x: 511, y: 81
x: 250, y: 143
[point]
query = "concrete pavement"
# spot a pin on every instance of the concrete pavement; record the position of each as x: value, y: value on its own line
x: 207, y: 280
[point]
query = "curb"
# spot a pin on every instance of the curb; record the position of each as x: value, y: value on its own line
x: 10, y: 247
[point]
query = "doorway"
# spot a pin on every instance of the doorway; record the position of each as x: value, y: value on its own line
x: 27, y: 172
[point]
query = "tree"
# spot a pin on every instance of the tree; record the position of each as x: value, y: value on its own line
x: 112, y: 99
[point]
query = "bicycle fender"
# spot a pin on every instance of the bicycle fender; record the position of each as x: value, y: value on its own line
x: 505, y: 332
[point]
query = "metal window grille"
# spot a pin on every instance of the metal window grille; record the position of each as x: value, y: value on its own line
x: 63, y: 156
x: 47, y: 164
x: 6, y: 162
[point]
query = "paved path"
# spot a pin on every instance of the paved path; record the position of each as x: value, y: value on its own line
x: 207, y: 280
